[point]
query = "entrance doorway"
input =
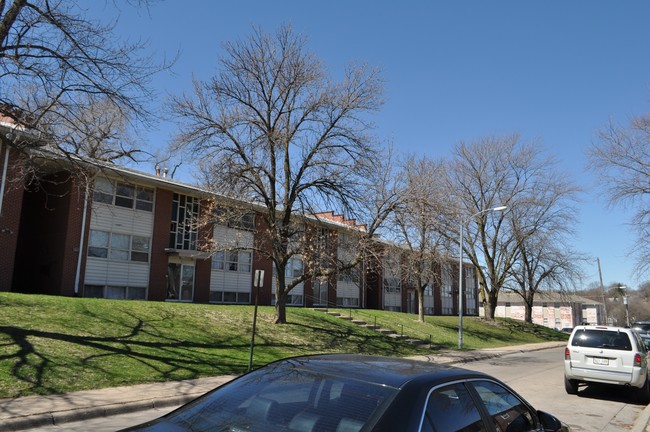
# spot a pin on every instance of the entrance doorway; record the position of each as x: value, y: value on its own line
x: 180, y: 282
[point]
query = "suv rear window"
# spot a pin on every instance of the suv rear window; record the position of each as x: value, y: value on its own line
x: 602, y: 339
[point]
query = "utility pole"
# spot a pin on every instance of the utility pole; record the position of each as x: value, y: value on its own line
x: 602, y: 291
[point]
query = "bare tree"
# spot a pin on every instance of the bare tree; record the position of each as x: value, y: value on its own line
x: 273, y: 129
x: 621, y: 159
x: 486, y: 174
x: 59, y: 69
x: 542, y: 220
x: 418, y: 223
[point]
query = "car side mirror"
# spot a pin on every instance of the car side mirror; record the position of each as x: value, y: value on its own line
x: 551, y: 423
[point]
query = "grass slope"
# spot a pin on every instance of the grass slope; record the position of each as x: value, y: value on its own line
x: 60, y: 344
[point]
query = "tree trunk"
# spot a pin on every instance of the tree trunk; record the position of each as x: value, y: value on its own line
x: 280, y: 297
x: 491, y: 305
x: 280, y: 313
x: 420, y: 292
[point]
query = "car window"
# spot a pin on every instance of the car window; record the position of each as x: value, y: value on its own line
x: 281, y: 400
x: 452, y: 409
x: 595, y: 338
x: 642, y: 327
x: 507, y: 411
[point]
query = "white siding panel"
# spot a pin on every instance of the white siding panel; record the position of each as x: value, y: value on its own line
x: 297, y: 290
x: 121, y: 220
x: 230, y: 281
x: 96, y: 271
x: 105, y: 272
x: 230, y: 237
x: 392, y: 299
x: 347, y: 289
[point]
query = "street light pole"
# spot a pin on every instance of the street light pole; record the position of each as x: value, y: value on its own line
x: 460, y: 271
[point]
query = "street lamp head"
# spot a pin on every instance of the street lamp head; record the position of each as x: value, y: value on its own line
x: 500, y: 208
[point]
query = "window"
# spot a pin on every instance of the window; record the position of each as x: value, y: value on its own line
x: 236, y: 261
x: 392, y: 285
x: 451, y: 408
x: 185, y: 220
x: 98, y: 244
x: 235, y: 218
x: 507, y: 411
x: 244, y: 222
x: 602, y: 339
x: 294, y: 268
x: 121, y: 247
x: 294, y: 300
x: 123, y: 194
x: 347, y: 301
x: 230, y: 297
x: 115, y: 292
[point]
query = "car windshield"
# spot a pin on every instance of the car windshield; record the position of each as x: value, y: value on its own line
x: 610, y: 339
x: 281, y: 399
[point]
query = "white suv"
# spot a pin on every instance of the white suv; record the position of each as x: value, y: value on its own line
x: 609, y: 355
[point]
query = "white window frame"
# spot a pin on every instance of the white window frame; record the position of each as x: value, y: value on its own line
x: 136, y: 248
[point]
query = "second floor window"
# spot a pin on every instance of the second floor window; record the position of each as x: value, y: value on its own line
x: 123, y: 194
x: 185, y: 220
x: 392, y: 285
x: 236, y: 261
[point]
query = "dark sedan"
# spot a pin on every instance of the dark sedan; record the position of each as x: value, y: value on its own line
x: 355, y: 393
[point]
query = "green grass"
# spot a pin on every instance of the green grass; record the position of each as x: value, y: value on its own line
x: 61, y: 344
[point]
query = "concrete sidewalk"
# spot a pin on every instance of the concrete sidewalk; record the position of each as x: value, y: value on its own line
x: 37, y: 411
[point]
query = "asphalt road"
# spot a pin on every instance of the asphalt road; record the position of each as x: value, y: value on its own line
x: 537, y: 376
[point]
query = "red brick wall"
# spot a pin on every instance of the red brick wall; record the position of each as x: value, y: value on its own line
x: 71, y: 239
x: 160, y: 241
x: 262, y: 262
x: 12, y: 202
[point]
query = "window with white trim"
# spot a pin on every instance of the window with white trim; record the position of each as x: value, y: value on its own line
x: 122, y: 194
x: 115, y: 246
x: 392, y: 285
x: 230, y: 297
x: 236, y: 261
x: 115, y: 292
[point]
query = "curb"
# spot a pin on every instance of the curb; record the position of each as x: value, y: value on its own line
x: 60, y: 417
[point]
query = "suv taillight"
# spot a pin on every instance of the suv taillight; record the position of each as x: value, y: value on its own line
x: 637, y: 359
x: 567, y: 354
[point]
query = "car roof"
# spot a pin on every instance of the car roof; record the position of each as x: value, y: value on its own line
x: 391, y: 371
x: 601, y: 327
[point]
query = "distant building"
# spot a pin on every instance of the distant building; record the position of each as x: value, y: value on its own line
x: 552, y: 309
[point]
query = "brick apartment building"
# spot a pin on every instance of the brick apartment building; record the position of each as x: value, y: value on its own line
x: 126, y: 235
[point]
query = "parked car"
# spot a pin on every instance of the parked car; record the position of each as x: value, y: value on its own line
x: 607, y: 355
x: 642, y: 326
x: 355, y: 393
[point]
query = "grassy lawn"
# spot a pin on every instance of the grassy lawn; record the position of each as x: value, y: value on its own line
x: 58, y: 344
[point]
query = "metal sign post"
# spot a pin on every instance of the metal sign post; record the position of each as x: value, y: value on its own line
x: 258, y: 282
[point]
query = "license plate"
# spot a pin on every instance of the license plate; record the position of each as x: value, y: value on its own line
x: 601, y: 361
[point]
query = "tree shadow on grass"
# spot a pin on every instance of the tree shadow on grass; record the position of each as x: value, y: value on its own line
x: 164, y: 359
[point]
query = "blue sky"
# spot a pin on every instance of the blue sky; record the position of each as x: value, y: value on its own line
x: 554, y: 71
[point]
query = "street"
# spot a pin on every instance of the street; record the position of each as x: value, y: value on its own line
x: 537, y: 376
